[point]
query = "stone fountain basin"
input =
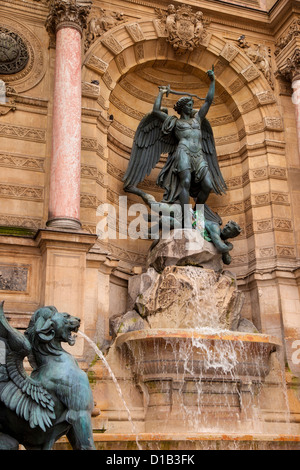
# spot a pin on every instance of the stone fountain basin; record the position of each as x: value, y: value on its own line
x: 183, y: 354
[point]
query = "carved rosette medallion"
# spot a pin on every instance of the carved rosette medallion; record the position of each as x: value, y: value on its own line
x: 22, y: 57
x: 67, y: 13
x: 14, y: 54
x: 185, y: 30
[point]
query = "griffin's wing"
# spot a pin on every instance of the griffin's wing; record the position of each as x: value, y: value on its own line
x: 148, y: 145
x: 210, y: 154
x: 20, y: 393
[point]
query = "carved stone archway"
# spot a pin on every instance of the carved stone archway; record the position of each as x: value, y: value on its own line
x: 250, y: 141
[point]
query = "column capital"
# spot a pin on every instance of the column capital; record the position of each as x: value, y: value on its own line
x: 290, y: 71
x: 67, y: 13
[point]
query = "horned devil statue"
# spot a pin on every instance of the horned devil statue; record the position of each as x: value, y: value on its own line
x: 56, y: 399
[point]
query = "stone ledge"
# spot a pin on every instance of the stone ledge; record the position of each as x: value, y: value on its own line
x: 190, y: 441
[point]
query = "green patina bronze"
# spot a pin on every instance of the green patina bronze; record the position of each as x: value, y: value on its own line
x: 191, y: 169
x: 56, y: 399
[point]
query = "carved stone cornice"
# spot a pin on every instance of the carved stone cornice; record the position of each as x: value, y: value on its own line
x: 291, y: 69
x: 67, y: 13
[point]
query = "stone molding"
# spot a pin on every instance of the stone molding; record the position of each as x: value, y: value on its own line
x: 10, y: 160
x: 24, y: 133
x: 67, y: 13
x: 19, y: 191
x: 10, y: 220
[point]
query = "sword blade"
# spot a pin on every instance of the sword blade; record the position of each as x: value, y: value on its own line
x: 184, y: 93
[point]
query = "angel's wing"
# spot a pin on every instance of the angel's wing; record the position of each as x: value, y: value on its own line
x: 210, y: 154
x: 148, y: 145
x: 19, y: 392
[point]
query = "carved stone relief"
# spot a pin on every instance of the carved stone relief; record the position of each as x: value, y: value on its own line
x: 292, y: 32
x: 288, y: 57
x: 20, y: 221
x: 21, y: 132
x: 184, y: 29
x: 14, y: 54
x: 291, y: 70
x: 260, y: 55
x: 99, y: 23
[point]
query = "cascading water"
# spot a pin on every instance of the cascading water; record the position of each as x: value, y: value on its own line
x: 200, y: 382
x: 209, y: 393
x: 112, y: 375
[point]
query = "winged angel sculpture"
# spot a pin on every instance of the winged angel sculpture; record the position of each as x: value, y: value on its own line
x: 191, y: 169
x: 56, y: 399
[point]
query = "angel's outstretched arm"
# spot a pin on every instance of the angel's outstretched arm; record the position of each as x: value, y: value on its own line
x: 157, y: 104
x: 209, y: 97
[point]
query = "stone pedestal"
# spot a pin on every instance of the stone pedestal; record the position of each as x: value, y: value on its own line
x: 64, y: 271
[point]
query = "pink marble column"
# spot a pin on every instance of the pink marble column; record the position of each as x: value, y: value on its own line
x: 296, y: 101
x: 65, y: 22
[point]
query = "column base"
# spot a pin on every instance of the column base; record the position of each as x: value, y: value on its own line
x: 64, y: 223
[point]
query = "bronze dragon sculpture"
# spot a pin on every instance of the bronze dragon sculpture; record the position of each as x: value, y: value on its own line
x: 56, y: 399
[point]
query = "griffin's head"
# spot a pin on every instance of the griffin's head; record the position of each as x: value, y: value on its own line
x: 48, y: 328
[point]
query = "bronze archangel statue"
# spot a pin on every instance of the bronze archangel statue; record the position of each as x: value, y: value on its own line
x: 191, y: 169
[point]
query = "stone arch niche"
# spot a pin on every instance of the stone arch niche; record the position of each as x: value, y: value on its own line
x: 129, y: 62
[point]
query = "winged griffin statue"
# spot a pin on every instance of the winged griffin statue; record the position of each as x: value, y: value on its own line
x: 191, y: 169
x: 56, y: 399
